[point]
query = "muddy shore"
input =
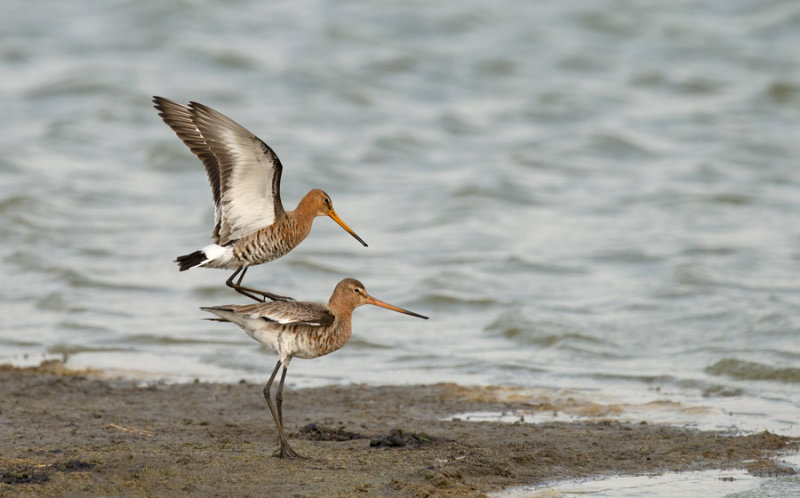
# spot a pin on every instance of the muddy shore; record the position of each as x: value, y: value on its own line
x: 73, y: 433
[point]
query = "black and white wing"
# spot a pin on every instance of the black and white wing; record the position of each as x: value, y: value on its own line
x: 249, y: 174
x: 244, y: 172
x: 179, y: 118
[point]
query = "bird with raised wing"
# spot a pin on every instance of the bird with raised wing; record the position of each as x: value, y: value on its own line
x: 250, y: 224
x: 294, y: 329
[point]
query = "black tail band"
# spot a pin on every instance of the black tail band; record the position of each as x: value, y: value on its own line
x: 188, y: 261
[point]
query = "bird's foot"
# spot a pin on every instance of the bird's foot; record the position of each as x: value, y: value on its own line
x: 286, y: 451
x: 275, y: 297
x: 258, y: 295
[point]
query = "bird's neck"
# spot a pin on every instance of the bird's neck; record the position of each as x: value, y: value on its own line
x: 342, y: 328
x: 341, y: 310
x: 303, y: 215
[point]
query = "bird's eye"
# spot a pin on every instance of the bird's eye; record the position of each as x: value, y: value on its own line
x: 357, y: 290
x: 327, y: 201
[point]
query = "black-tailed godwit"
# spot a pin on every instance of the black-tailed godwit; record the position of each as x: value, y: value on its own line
x: 251, y: 227
x: 293, y: 329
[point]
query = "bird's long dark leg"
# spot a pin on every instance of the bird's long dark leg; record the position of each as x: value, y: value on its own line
x: 279, y: 395
x: 251, y: 293
x: 285, y: 450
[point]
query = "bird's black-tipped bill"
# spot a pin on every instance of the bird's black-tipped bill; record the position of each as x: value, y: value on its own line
x: 342, y: 224
x: 378, y: 302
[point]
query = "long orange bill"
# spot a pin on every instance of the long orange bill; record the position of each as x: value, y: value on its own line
x: 342, y: 224
x: 378, y: 302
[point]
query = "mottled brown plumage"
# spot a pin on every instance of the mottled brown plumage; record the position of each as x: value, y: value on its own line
x: 293, y: 329
x: 251, y: 226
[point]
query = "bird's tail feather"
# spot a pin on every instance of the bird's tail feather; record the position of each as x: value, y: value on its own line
x: 188, y: 261
x: 220, y: 311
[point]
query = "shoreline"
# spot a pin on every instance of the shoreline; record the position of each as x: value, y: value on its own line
x: 67, y: 432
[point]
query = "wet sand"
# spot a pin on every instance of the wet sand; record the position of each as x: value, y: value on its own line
x: 73, y: 433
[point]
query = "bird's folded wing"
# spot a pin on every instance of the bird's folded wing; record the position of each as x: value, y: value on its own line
x: 293, y: 312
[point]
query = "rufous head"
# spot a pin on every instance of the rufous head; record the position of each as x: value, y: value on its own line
x: 352, y: 294
x: 323, y: 206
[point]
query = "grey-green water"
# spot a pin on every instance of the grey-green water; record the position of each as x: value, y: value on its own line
x: 603, y: 196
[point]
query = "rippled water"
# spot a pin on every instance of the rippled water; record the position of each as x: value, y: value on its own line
x: 602, y: 196
x: 708, y: 484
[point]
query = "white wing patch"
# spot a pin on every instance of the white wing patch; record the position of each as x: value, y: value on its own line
x: 248, y: 171
x: 287, y: 321
x: 247, y: 199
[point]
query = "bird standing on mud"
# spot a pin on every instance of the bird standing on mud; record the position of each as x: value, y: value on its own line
x: 293, y: 329
x: 250, y: 224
